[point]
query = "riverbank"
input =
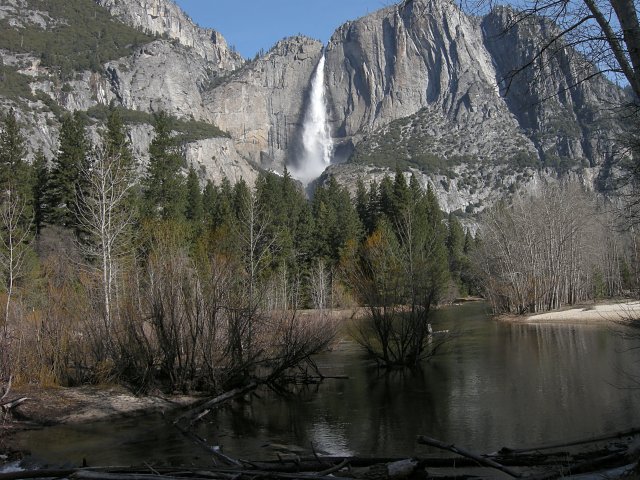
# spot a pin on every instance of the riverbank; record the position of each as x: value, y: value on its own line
x: 609, y: 312
x: 55, y: 405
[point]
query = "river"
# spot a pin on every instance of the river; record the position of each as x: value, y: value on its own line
x: 499, y: 384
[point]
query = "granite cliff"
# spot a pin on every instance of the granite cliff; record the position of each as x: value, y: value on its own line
x: 420, y: 85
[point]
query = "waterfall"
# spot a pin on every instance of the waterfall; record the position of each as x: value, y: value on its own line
x: 317, y: 145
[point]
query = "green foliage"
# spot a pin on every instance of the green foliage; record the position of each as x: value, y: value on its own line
x: 13, y: 167
x: 285, y: 205
x: 164, y: 186
x: 194, y: 211
x: 400, y: 273
x: 40, y: 187
x: 336, y: 220
x: 14, y: 85
x: 115, y: 140
x: 64, y: 178
x: 81, y: 36
x: 15, y: 173
x: 186, y: 130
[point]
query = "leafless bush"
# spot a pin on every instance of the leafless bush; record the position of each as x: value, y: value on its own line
x: 548, y: 250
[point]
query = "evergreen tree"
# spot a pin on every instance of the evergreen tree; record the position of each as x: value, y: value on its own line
x: 194, y: 211
x: 373, y: 207
x: 336, y: 220
x: 115, y: 139
x: 164, y: 186
x: 40, y: 185
x: 455, y: 245
x: 362, y: 205
x: 386, y: 199
x: 401, y: 195
x: 12, y: 152
x: 64, y: 179
x: 15, y: 173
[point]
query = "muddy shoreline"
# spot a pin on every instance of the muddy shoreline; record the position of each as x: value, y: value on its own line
x: 48, y: 406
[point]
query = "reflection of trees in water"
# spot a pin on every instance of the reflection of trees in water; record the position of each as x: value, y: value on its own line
x: 501, y: 384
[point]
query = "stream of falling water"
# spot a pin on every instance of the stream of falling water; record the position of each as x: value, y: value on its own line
x: 317, y: 145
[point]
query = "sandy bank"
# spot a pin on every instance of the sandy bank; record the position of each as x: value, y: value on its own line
x: 51, y: 406
x: 596, y: 313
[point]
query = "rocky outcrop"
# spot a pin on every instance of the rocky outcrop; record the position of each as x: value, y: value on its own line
x: 429, y: 56
x: 416, y: 79
x: 163, y: 17
x: 564, y: 115
x: 400, y: 59
x: 155, y: 78
x: 217, y: 158
x: 261, y: 105
x: 213, y: 158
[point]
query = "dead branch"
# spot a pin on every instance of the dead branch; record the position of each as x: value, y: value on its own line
x: 611, y: 436
x: 236, y: 392
x: 6, y: 389
x: 481, y: 460
x: 8, y: 405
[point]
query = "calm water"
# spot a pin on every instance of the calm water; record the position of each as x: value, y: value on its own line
x: 498, y: 385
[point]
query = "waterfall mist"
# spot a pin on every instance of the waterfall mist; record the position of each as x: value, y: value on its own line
x: 317, y: 145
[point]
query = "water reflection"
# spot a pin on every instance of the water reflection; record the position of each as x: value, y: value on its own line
x: 499, y: 384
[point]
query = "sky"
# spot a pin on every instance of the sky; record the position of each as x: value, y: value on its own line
x: 251, y: 25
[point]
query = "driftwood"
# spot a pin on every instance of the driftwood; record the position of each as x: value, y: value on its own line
x: 197, y: 413
x: 215, y: 451
x: 612, y: 436
x: 9, y: 404
x: 614, y: 459
x: 583, y: 467
x: 465, y: 453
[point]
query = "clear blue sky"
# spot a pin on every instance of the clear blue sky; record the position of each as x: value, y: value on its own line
x: 250, y: 25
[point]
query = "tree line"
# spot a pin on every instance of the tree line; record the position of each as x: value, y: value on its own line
x: 155, y: 277
x: 559, y: 246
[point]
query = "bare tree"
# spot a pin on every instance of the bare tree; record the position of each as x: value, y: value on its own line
x: 15, y: 240
x: 320, y: 284
x: 548, y: 250
x: 106, y: 216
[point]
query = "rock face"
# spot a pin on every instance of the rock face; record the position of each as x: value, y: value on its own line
x: 163, y: 17
x: 565, y: 117
x: 428, y: 55
x: 154, y: 78
x: 419, y: 82
x: 262, y: 104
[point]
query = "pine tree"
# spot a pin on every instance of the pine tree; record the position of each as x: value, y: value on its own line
x: 15, y: 173
x: 401, y: 195
x: 40, y: 185
x: 164, y: 186
x: 194, y: 211
x: 115, y: 139
x: 386, y: 198
x: 336, y: 220
x: 12, y: 153
x: 455, y: 244
x: 64, y: 179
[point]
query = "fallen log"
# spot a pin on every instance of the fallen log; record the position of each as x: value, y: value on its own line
x: 97, y: 475
x: 215, y: 451
x: 611, y: 436
x: 8, y: 405
x: 584, y: 467
x: 487, y: 462
x: 236, y: 392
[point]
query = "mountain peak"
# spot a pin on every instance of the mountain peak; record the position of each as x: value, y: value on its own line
x: 164, y: 17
